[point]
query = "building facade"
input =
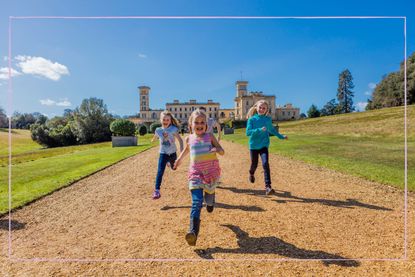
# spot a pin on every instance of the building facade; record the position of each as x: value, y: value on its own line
x: 244, y: 100
x: 287, y: 112
x: 182, y: 111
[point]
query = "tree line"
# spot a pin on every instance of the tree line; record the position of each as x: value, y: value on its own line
x: 88, y: 123
x: 388, y: 93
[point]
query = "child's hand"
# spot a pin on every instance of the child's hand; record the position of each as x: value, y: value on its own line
x: 285, y: 137
x: 176, y: 165
x: 264, y: 129
x: 213, y: 150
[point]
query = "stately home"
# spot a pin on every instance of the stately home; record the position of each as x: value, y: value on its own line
x: 243, y: 102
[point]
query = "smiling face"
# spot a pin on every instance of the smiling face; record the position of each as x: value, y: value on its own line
x: 262, y: 108
x: 199, y: 125
x: 166, y: 121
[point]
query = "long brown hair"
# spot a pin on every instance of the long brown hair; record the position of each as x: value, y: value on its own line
x: 172, y: 118
x: 196, y: 113
x: 253, y: 110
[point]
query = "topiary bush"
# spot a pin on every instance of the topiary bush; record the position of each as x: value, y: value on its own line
x: 154, y: 126
x: 142, y: 130
x: 122, y: 127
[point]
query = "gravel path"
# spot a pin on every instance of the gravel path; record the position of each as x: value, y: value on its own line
x: 103, y: 225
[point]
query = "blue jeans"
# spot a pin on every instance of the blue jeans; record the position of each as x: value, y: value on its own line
x: 163, y: 160
x: 197, y: 201
x: 263, y: 152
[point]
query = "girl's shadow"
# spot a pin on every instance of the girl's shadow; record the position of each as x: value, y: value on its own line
x: 221, y: 206
x: 274, y: 245
x: 15, y: 225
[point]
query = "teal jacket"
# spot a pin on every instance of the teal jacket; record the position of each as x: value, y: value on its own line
x: 257, y: 138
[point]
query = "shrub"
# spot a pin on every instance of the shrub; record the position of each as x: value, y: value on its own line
x: 154, y: 126
x: 122, y: 127
x: 142, y: 130
x: 238, y: 124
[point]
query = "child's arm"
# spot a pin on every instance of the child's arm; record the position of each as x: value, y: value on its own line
x: 217, y: 147
x: 154, y: 137
x: 272, y: 130
x: 182, y: 154
x: 250, y: 128
x: 219, y: 130
x: 179, y: 138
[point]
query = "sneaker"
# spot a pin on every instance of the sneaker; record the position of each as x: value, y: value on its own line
x: 269, y: 191
x: 209, y: 208
x: 156, y: 194
x: 251, y: 178
x: 191, y: 238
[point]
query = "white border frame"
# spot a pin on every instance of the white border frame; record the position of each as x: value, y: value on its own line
x: 10, y: 93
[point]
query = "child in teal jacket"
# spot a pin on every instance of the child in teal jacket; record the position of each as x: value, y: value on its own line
x: 259, y: 127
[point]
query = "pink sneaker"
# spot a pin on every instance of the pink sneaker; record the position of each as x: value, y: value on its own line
x: 156, y: 194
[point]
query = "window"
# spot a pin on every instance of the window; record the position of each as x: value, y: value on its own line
x: 283, y: 113
x: 180, y: 109
x: 170, y: 109
x: 185, y: 109
x: 293, y: 113
x: 289, y: 113
x: 180, y: 115
x: 175, y: 115
x: 210, y: 115
x: 215, y: 109
x: 175, y: 109
x: 210, y: 109
x: 143, y: 97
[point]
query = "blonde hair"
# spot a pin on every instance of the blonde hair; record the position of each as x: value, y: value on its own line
x: 173, y: 119
x: 253, y: 110
x: 195, y: 114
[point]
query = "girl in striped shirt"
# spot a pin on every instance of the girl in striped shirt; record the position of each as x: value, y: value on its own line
x: 204, y: 170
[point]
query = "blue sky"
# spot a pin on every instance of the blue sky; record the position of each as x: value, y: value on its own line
x: 59, y: 62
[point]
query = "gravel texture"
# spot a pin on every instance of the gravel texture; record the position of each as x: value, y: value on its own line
x: 108, y: 225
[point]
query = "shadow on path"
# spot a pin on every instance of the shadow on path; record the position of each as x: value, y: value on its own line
x: 15, y: 225
x: 349, y: 203
x: 221, y: 206
x: 274, y: 245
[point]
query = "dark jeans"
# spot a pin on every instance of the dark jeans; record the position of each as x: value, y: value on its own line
x: 197, y: 201
x: 263, y: 152
x: 163, y: 160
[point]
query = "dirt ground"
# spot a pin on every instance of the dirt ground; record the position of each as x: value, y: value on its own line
x: 108, y: 225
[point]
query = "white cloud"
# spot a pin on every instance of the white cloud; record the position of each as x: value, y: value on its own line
x: 371, y: 85
x: 47, y: 102
x: 64, y: 103
x: 361, y: 106
x: 368, y: 93
x: 4, y: 73
x: 142, y: 56
x: 5, y: 58
x: 42, y: 67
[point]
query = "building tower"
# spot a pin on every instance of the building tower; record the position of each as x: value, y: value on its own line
x: 144, y: 99
x: 241, y: 88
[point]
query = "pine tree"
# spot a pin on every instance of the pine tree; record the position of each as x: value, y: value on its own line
x: 344, y: 92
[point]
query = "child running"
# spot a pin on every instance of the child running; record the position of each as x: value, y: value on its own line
x: 166, y: 135
x: 258, y: 128
x: 204, y: 170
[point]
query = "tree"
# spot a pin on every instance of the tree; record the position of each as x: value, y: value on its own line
x: 344, y: 92
x: 330, y: 108
x: 4, y: 121
x: 122, y: 127
x: 91, y: 121
x: 313, y: 111
x: 142, y: 130
x: 390, y: 92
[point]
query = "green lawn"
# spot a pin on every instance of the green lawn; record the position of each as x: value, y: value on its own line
x: 38, y: 171
x: 368, y: 145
